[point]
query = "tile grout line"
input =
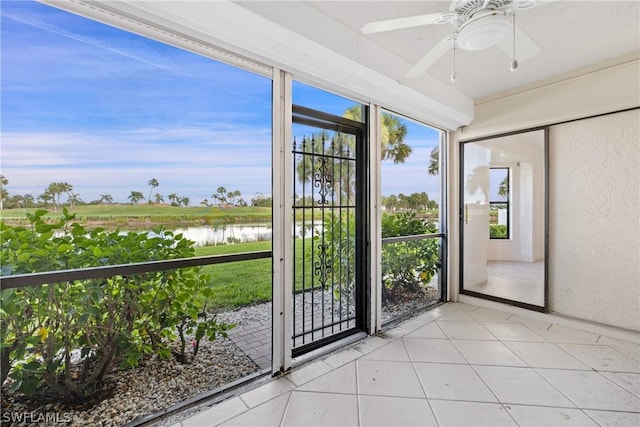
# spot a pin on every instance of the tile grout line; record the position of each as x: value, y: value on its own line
x: 286, y: 407
x: 556, y: 388
x: 424, y: 389
x: 403, y: 335
x: 355, y: 366
x: 502, y: 404
x: 600, y: 346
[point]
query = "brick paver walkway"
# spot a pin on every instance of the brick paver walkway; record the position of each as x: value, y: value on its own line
x: 255, y: 342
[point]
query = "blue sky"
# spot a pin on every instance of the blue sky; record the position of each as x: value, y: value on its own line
x: 106, y: 111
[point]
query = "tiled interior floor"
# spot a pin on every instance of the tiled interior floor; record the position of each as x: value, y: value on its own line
x: 517, y: 281
x: 455, y: 365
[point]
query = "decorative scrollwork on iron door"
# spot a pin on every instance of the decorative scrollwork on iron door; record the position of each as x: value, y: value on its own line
x: 323, y: 179
x: 323, y: 266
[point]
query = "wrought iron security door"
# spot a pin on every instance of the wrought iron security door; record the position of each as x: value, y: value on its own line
x: 329, y: 242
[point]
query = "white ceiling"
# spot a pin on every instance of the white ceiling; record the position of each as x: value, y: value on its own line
x: 571, y: 34
x: 320, y: 42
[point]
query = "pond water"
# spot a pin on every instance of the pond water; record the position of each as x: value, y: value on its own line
x: 208, y: 236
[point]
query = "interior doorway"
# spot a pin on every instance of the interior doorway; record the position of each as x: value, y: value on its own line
x: 503, y: 218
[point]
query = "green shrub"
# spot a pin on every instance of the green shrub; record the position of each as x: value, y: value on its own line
x: 339, y: 240
x: 68, y: 335
x: 408, y: 265
x: 498, y: 231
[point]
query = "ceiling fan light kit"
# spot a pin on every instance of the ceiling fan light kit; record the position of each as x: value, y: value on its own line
x: 483, y: 32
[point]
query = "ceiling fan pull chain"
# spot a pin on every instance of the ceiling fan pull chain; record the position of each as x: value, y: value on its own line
x: 514, y: 63
x: 454, y: 75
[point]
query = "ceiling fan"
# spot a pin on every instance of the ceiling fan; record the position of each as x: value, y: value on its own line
x: 479, y: 24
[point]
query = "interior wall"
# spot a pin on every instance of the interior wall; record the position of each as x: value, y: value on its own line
x: 526, y: 153
x: 600, y: 89
x: 594, y: 205
x: 594, y: 264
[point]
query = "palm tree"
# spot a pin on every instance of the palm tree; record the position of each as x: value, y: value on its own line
x: 391, y: 202
x: 66, y: 188
x: 56, y: 189
x: 45, y: 198
x: 106, y: 199
x: 158, y: 198
x: 153, y: 183
x: 220, y: 195
x: 28, y: 200
x: 135, y: 197
x: 74, y: 198
x: 184, y: 201
x: 234, y: 197
x: 434, y: 162
x: 173, y: 198
x: 393, y: 134
x: 503, y: 188
x: 393, y: 145
x: 3, y: 192
x: 309, y: 146
x: 342, y: 145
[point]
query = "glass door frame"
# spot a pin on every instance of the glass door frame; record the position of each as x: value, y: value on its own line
x: 540, y: 308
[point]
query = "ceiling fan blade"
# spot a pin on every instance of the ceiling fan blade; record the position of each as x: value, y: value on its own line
x: 526, y: 47
x: 431, y: 57
x: 408, y: 22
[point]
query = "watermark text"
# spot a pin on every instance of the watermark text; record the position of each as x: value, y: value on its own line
x: 36, y: 417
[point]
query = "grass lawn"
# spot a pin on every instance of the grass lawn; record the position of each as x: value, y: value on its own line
x: 148, y: 217
x: 120, y: 210
x: 249, y: 282
x: 239, y: 283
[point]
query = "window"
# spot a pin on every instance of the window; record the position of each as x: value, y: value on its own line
x: 500, y: 206
x: 161, y: 155
x: 130, y: 134
x: 411, y: 217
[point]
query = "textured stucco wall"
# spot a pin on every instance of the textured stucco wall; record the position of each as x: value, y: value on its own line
x: 594, y: 261
x: 595, y: 187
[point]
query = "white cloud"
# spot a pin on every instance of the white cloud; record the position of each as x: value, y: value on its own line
x: 195, y: 161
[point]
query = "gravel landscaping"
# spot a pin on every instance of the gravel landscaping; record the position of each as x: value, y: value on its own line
x: 133, y: 393
x: 157, y: 383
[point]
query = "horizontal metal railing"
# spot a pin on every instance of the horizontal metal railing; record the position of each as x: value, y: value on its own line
x: 36, y: 279
x: 398, y: 239
x: 52, y: 277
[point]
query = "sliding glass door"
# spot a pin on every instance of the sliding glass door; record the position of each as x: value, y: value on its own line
x: 503, y: 218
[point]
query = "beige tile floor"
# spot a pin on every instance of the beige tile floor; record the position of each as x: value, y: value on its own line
x: 517, y: 281
x: 455, y: 365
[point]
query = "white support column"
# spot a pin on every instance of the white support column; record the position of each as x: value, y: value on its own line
x: 375, y: 233
x: 282, y: 175
x: 445, y: 218
x: 453, y: 213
